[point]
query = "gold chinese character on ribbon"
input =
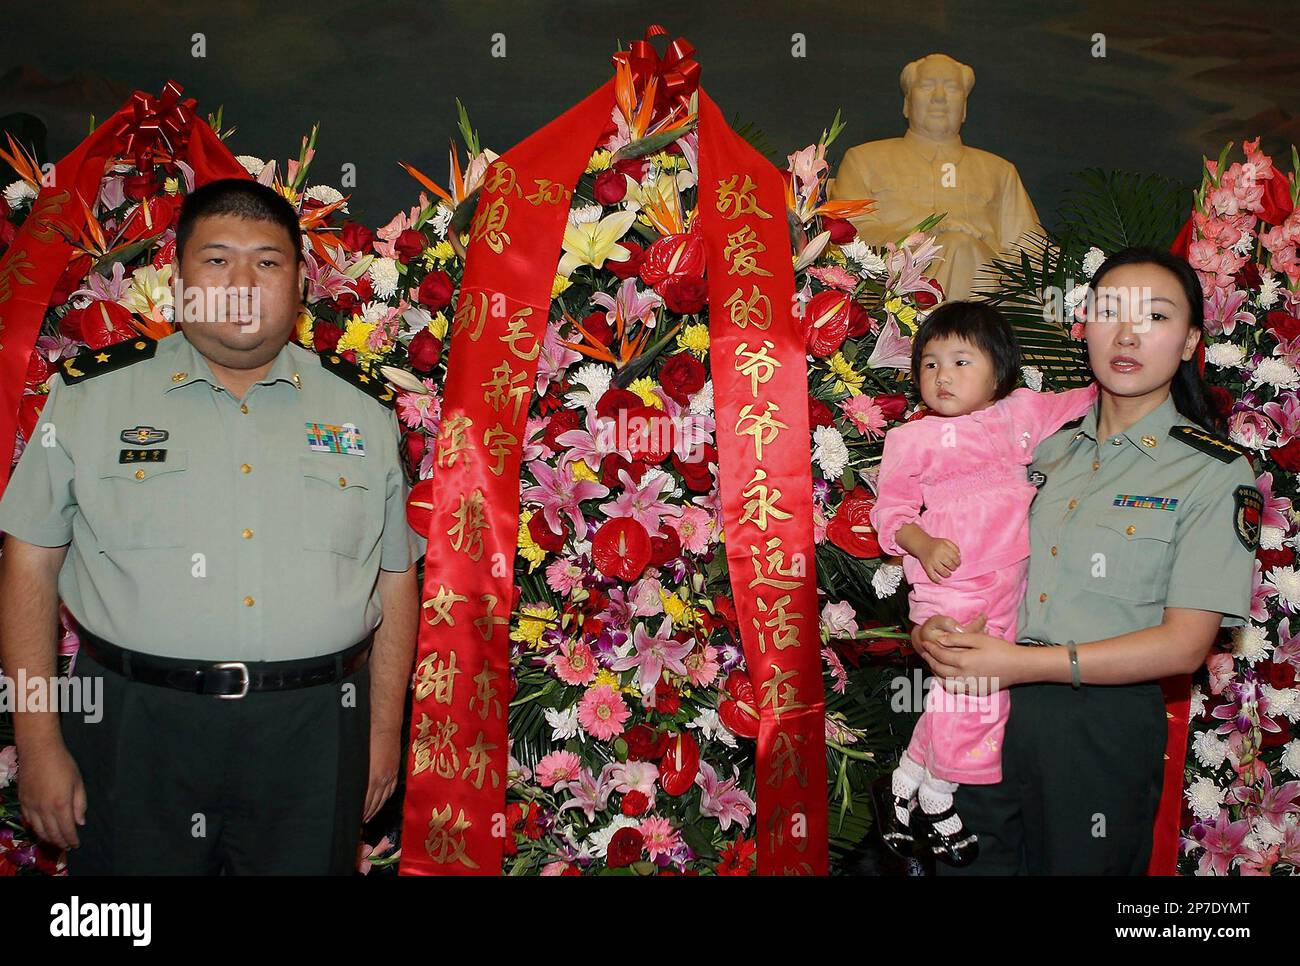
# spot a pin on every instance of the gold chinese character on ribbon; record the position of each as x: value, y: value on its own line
x: 741, y: 252
x: 757, y: 364
x: 489, y: 620
x: 485, y: 696
x: 517, y: 331
x: 500, y: 443
x: 479, y: 764
x: 763, y: 427
x: 548, y: 192
x: 786, y: 761
x: 453, y: 440
x: 489, y: 224
x: 780, y: 694
x: 776, y: 622
x: 754, y: 309
x: 505, y: 386
x: 446, y: 840
x: 436, y: 677
x: 471, y: 520
x: 770, y: 569
x: 440, y: 605
x: 734, y: 202
x: 761, y: 501
x: 471, y: 313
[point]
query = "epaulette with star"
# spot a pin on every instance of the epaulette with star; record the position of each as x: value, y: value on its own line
x: 1198, y: 438
x: 351, y: 373
x: 96, y: 362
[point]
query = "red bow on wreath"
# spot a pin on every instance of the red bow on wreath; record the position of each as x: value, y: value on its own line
x: 677, y: 72
x: 164, y: 119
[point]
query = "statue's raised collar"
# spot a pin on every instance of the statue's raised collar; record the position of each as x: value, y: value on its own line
x: 934, y: 150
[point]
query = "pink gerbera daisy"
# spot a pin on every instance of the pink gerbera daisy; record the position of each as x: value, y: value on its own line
x: 574, y: 663
x: 602, y: 712
x: 702, y: 666
x: 660, y: 836
x: 558, y: 766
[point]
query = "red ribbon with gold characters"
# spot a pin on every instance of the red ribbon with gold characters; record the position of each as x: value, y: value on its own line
x: 454, y: 819
x: 31, y: 267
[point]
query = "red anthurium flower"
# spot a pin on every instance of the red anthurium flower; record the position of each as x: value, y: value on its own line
x: 621, y: 549
x: 826, y: 322
x: 850, y: 529
x: 673, y: 256
x: 419, y: 506
x: 680, y: 765
x: 740, y: 711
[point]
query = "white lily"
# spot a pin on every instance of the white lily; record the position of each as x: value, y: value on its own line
x: 596, y: 242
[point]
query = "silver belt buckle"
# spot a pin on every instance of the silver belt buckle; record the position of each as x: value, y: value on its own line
x: 243, y: 670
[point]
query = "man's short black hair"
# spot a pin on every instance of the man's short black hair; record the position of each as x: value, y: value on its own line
x: 983, y: 327
x: 242, y: 198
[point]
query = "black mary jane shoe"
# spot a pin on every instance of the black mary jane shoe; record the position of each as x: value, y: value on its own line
x: 959, y: 848
x: 896, y: 835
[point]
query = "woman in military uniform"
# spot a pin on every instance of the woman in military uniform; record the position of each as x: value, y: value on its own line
x: 1143, y: 536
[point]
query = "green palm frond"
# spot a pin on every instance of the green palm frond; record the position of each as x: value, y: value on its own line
x: 1113, y: 210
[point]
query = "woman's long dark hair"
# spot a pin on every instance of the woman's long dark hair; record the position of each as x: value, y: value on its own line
x: 1191, y: 397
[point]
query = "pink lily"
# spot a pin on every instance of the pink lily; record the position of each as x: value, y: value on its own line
x: 724, y: 800
x: 1223, y: 843
x: 557, y: 492
x: 654, y: 654
x: 642, y: 503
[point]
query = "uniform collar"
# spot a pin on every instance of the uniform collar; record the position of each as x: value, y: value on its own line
x: 931, y: 150
x: 184, y: 365
x: 1149, y: 434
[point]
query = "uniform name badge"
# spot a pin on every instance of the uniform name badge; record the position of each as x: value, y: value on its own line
x: 327, y: 438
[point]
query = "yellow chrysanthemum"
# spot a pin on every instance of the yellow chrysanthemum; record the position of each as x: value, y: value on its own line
x: 606, y: 677
x: 534, y: 619
x: 289, y: 195
x: 846, y: 378
x: 644, y: 387
x: 303, y: 328
x: 357, y: 338
x: 579, y: 470
x: 600, y: 161
x: 437, y: 255
x: 171, y: 186
x: 674, y: 607
x: 528, y: 547
x: 559, y: 285
x: 669, y: 162
x: 438, y: 325
x: 694, y: 338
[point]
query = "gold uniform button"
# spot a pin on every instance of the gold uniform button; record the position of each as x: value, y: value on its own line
x: 1117, y: 442
x: 244, y: 409
x: 1130, y: 530
x: 1073, y: 504
x: 179, y: 376
x: 249, y: 602
x: 342, y: 482
x: 139, y: 474
x: 245, y: 468
x: 1042, y: 598
x: 248, y: 534
x: 1053, y: 551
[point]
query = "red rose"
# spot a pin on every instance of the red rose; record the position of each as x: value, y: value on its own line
x: 70, y: 280
x: 1277, y: 199
x: 1282, y: 325
x: 614, y: 401
x: 624, y: 848
x: 644, y: 743
x: 613, y: 464
x: 1248, y: 277
x: 667, y: 700
x: 544, y: 536
x: 356, y: 237
x: 892, y: 406
x: 630, y: 267
x: 673, y: 256
x: 414, y: 445
x: 825, y: 323
x: 325, y: 336
x: 434, y: 292
x: 559, y: 424
x: 424, y: 351
x: 925, y: 300
x: 1280, y: 675
x: 680, y: 764
x: 684, y: 294
x: 597, y: 326
x: 682, y: 374
x: 695, y: 470
x: 859, y: 320
x: 621, y: 549
x: 1221, y: 402
x: 1288, y: 456
x: 634, y: 168
x: 1268, y: 559
x: 665, y: 546
x: 99, y: 324
x: 611, y: 187
x: 842, y: 231
x: 819, y: 414
x: 408, y: 245
x: 850, y: 529
x: 635, y: 804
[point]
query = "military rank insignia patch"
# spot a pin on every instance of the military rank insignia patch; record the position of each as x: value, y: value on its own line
x: 142, y: 456
x: 324, y: 438
x: 144, y: 436
x: 1198, y: 438
x: 96, y: 362
x: 373, y: 386
x: 1247, y: 511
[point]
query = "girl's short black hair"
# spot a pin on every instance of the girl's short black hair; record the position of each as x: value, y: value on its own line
x: 982, y: 326
x: 242, y: 198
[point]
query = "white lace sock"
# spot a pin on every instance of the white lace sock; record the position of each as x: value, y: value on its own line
x: 935, y: 796
x: 906, y: 780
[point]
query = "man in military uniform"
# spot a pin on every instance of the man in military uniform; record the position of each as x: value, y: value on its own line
x: 223, y: 514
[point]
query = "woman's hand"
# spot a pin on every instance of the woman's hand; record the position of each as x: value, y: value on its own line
x: 976, y: 663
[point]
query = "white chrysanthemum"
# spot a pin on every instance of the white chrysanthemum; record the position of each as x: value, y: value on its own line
x: 709, y: 722
x: 1250, y: 643
x: 1033, y: 377
x: 1092, y: 261
x: 1210, y: 749
x: 1225, y: 355
x: 251, y: 164
x: 1284, y: 703
x: 1245, y: 243
x: 581, y: 548
x: 373, y: 312
x: 1275, y: 372
x: 870, y: 264
x: 384, y: 276
x: 886, y: 579
x: 1268, y: 833
x: 1076, y: 296
x: 563, y: 722
x: 439, y: 221
x: 1287, y: 582
x: 1196, y: 707
x: 325, y: 195
x: 1270, y: 538
x: 673, y: 489
x: 19, y: 195
x: 586, y: 215
x: 1290, y: 759
x: 594, y: 379
x: 1205, y: 798
x: 599, y: 841
x: 702, y: 402
x: 1269, y: 289
x: 830, y: 452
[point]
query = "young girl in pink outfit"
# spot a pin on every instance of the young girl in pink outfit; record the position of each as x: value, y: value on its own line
x: 953, y: 500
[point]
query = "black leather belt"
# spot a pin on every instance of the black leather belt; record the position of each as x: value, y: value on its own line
x: 226, y: 679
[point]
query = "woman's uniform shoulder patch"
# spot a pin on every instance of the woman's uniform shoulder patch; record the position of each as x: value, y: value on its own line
x: 1198, y: 438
